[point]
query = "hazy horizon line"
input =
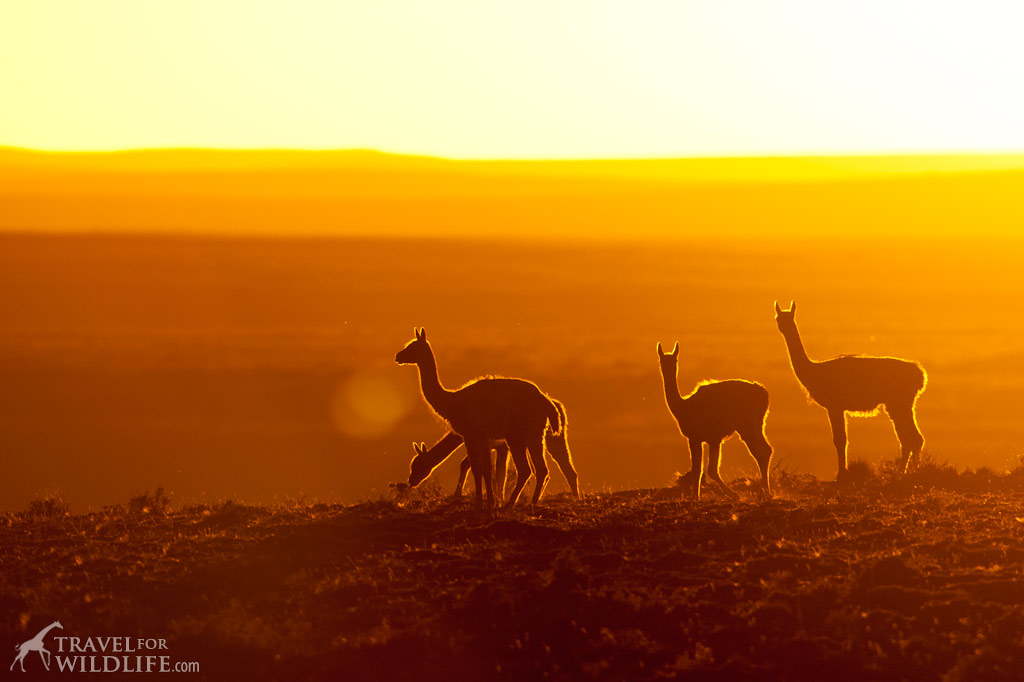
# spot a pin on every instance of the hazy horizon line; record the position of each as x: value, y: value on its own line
x: 780, y: 155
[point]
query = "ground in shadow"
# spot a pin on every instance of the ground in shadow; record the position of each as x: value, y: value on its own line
x: 917, y: 580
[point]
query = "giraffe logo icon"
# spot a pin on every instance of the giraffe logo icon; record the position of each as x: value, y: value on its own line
x: 35, y: 644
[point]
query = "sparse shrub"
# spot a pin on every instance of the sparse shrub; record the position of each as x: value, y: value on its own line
x: 927, y: 473
x: 144, y: 503
x: 297, y: 502
x: 53, y: 507
x: 388, y: 501
x: 229, y: 514
x: 431, y: 492
x: 928, y: 467
x: 788, y: 481
x: 426, y: 495
x: 683, y: 480
x: 861, y: 473
x: 1016, y: 474
x: 984, y: 478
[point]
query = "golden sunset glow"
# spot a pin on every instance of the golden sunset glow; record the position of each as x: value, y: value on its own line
x: 533, y: 79
x: 230, y: 450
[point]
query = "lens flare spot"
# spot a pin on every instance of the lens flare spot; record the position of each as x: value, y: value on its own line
x: 368, y: 404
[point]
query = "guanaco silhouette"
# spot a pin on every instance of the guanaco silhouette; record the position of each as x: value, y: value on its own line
x: 858, y: 384
x: 711, y: 413
x: 426, y: 460
x: 35, y: 644
x: 488, y: 410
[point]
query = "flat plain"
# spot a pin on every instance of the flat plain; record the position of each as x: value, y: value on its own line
x: 261, y: 370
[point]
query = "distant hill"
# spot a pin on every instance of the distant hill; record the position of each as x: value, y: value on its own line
x: 361, y: 192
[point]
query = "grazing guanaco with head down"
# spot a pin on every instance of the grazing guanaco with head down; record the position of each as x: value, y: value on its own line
x: 713, y: 412
x: 427, y: 459
x: 486, y: 411
x: 858, y: 384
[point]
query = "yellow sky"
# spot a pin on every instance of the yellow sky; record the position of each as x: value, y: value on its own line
x: 524, y: 79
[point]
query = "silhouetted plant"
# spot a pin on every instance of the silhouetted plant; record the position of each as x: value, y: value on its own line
x: 793, y: 482
x: 861, y: 473
x: 144, y: 503
x: 930, y: 473
x: 53, y: 507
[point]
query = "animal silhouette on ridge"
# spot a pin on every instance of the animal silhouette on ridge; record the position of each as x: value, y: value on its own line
x: 858, y: 384
x: 713, y: 412
x: 486, y: 411
x: 427, y: 459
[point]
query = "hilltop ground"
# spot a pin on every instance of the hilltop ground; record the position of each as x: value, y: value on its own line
x: 892, y: 581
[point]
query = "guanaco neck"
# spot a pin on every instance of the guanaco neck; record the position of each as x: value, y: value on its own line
x: 676, y: 404
x: 434, y: 393
x: 797, y: 355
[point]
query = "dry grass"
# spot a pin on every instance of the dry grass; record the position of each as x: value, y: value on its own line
x: 918, y: 578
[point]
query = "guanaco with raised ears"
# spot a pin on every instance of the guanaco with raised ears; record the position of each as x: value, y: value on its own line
x: 858, y: 384
x: 711, y: 413
x: 486, y: 411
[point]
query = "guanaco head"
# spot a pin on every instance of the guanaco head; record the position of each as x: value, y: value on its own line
x: 669, y: 359
x: 416, y: 350
x: 419, y: 468
x: 784, y: 318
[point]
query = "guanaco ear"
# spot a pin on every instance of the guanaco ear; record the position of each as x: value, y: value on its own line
x: 660, y: 351
x: 778, y: 310
x: 792, y: 306
x: 675, y: 350
x: 421, y: 334
x: 418, y: 448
